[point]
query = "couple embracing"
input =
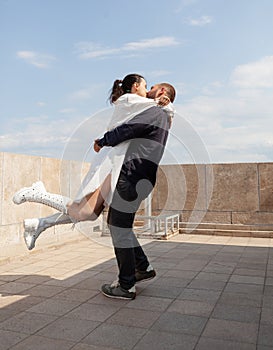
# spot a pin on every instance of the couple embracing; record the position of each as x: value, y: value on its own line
x: 123, y: 174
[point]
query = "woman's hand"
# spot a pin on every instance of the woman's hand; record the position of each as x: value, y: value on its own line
x: 96, y: 147
x: 163, y: 100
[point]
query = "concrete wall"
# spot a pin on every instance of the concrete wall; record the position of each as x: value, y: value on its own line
x: 214, y: 198
x: 17, y: 171
x: 234, y: 195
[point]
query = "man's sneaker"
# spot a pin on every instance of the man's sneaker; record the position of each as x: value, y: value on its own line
x: 142, y: 276
x: 114, y: 290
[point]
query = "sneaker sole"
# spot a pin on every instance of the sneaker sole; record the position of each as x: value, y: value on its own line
x: 145, y: 279
x: 117, y: 296
x: 30, y: 228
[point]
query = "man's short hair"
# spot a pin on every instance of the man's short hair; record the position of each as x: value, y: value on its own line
x: 170, y: 90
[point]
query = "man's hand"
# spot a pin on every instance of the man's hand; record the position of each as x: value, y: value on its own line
x: 96, y: 147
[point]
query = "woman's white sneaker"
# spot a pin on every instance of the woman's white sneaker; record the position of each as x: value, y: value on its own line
x: 38, y: 194
x: 32, y: 232
x: 29, y: 193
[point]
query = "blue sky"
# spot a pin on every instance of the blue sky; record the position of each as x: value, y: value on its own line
x: 59, y: 59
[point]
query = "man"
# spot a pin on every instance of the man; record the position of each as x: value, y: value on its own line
x: 148, y: 133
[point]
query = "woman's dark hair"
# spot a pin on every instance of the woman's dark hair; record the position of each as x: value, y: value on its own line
x: 121, y: 87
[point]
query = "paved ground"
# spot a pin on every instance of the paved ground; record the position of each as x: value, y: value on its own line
x: 210, y: 293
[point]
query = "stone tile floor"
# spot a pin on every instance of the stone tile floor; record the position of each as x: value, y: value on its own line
x: 210, y: 293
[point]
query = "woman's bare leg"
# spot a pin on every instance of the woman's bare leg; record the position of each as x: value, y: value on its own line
x: 91, y: 206
x: 88, y: 209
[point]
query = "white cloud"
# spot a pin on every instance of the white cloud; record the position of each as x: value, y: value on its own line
x: 234, y: 121
x: 68, y: 137
x: 163, y: 41
x: 35, y: 134
x: 81, y: 94
x: 231, y: 123
x: 212, y: 87
x: 67, y: 110
x: 199, y: 22
x: 35, y: 58
x: 183, y: 4
x: 86, y: 93
x: 159, y: 73
x: 254, y: 75
x: 41, y: 104
x: 88, y: 50
x: 227, y: 133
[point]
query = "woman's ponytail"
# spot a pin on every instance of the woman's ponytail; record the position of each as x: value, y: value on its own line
x: 117, y: 91
x: 121, y: 87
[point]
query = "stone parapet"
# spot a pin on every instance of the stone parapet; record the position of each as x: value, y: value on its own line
x: 217, y: 194
x: 17, y: 171
x: 227, y: 199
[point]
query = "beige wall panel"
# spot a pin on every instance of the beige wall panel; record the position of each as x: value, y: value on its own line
x: 235, y: 187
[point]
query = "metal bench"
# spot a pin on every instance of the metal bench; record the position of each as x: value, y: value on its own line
x: 160, y: 226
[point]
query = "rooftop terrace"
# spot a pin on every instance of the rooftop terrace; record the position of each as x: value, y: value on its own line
x: 212, y: 291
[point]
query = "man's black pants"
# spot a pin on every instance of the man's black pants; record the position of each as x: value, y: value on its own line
x: 129, y: 254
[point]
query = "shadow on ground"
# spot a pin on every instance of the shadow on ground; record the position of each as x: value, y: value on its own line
x: 205, y: 296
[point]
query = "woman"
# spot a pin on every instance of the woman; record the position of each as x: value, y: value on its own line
x: 129, y: 97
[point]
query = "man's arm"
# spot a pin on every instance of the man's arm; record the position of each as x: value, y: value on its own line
x: 139, y: 126
x: 121, y: 133
x: 114, y: 137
